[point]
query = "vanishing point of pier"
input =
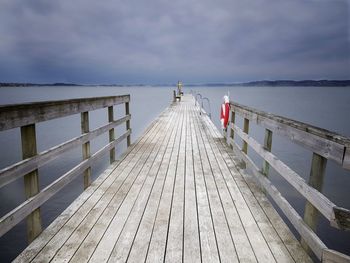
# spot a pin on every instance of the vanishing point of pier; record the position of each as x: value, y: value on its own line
x: 180, y: 193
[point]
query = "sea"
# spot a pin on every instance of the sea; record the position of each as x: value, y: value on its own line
x: 325, y: 107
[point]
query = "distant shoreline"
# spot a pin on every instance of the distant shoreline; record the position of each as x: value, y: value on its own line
x: 268, y: 83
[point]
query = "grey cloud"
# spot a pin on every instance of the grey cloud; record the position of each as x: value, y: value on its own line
x: 161, y: 41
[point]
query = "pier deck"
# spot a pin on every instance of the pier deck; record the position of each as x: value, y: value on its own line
x: 176, y: 195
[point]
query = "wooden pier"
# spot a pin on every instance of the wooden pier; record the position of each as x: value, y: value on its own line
x: 178, y: 194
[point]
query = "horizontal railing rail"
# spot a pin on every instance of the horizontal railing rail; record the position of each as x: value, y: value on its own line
x: 26, y: 116
x: 324, y: 144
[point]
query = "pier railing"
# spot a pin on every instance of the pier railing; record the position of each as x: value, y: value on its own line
x: 25, y: 117
x: 324, y: 144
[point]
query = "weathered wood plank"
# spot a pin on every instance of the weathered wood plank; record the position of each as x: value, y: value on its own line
x: 317, y: 174
x: 31, y: 180
x: 111, y: 235
x: 86, y: 147
x: 311, y: 238
x: 17, y: 170
x: 157, y: 245
x: 174, y: 247
x: 127, y: 124
x: 324, y: 205
x: 20, y: 212
x: 144, y: 234
x: 226, y: 247
x: 111, y: 134
x: 326, y: 143
x: 209, y: 249
x: 331, y: 256
x: 281, y: 228
x: 17, y: 115
x: 191, y: 245
x: 119, y: 178
x: 248, y: 238
x: 267, y: 146
x: 98, y: 186
x: 153, y: 182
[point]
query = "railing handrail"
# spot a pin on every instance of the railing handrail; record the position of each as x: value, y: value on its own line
x: 26, y: 116
x: 17, y: 115
x: 202, y: 105
x: 328, y: 144
x: 324, y: 144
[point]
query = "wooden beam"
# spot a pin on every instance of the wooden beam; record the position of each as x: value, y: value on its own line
x: 127, y: 112
x: 15, y: 216
x: 332, y: 256
x: 233, y: 120
x: 245, y: 130
x: 31, y: 180
x: 317, y: 199
x: 17, y: 115
x: 303, y: 229
x: 86, y: 147
x: 323, y: 142
x: 17, y: 170
x: 111, y: 134
x: 267, y: 146
x: 317, y: 173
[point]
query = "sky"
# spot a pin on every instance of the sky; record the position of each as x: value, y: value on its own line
x: 162, y: 41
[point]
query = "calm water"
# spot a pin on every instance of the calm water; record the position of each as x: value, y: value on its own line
x: 326, y: 107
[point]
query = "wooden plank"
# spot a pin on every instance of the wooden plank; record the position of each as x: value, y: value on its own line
x: 317, y: 174
x: 267, y: 146
x: 192, y: 251
x: 20, y: 212
x: 233, y: 120
x: 323, y: 142
x: 323, y: 204
x: 157, y: 245
x: 346, y: 158
x: 311, y: 238
x: 245, y: 130
x: 151, y: 187
x: 174, y: 245
x: 118, y: 178
x: 17, y: 115
x: 209, y: 249
x: 86, y: 147
x: 31, y: 180
x: 127, y: 112
x: 84, y: 199
x: 332, y: 256
x: 248, y: 238
x: 111, y: 134
x: 17, y: 170
x: 139, y: 249
x: 226, y: 247
x: 281, y: 228
x: 112, y: 233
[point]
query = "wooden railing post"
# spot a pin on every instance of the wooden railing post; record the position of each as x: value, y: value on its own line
x: 317, y: 173
x: 111, y: 134
x: 127, y: 111
x: 86, y: 147
x: 245, y: 130
x: 267, y: 146
x: 233, y: 121
x: 31, y: 180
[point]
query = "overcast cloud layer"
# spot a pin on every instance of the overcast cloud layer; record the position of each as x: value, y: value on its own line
x: 159, y: 41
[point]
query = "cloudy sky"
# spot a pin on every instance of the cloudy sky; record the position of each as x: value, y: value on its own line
x: 161, y: 41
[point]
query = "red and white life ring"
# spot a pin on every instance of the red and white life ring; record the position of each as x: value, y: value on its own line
x: 225, y: 111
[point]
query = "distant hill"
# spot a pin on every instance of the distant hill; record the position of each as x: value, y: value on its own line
x: 14, y: 84
x: 283, y: 83
x: 271, y: 83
